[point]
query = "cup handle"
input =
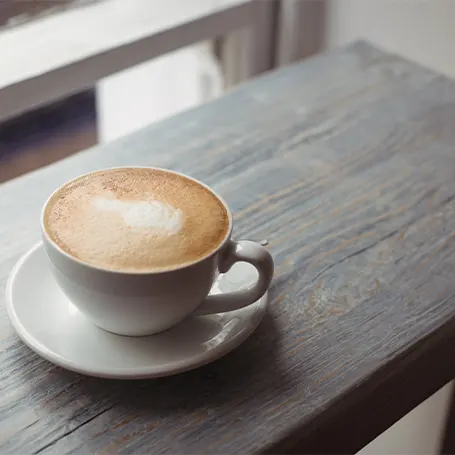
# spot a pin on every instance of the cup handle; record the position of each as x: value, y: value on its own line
x: 242, y: 251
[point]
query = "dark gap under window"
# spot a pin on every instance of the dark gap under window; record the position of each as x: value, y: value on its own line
x: 47, y: 134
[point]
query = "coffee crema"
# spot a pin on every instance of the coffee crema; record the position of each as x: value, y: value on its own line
x: 136, y: 220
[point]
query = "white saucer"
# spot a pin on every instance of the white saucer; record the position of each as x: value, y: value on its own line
x: 50, y: 325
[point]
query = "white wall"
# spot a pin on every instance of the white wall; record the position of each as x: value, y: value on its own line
x: 423, y: 31
x: 419, y: 432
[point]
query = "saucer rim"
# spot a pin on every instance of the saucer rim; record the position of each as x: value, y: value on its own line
x: 150, y: 372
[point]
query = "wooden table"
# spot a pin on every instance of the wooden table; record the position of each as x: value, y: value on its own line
x: 346, y: 163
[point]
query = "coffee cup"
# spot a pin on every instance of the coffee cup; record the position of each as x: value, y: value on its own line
x: 137, y: 249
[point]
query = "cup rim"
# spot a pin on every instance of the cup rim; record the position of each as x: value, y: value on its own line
x: 125, y: 272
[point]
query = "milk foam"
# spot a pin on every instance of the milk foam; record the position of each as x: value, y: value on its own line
x: 156, y: 215
x: 136, y: 220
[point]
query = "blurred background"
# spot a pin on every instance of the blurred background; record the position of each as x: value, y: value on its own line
x: 77, y: 73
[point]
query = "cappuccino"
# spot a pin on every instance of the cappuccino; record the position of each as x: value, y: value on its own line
x: 136, y: 220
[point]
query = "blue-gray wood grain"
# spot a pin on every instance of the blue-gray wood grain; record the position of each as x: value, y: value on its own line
x: 346, y: 164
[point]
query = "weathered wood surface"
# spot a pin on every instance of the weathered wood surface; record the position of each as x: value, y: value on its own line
x: 346, y: 163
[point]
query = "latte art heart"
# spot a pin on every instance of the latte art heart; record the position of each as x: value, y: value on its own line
x: 154, y: 215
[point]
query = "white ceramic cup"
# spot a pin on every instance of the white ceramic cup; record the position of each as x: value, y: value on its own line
x: 138, y: 304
